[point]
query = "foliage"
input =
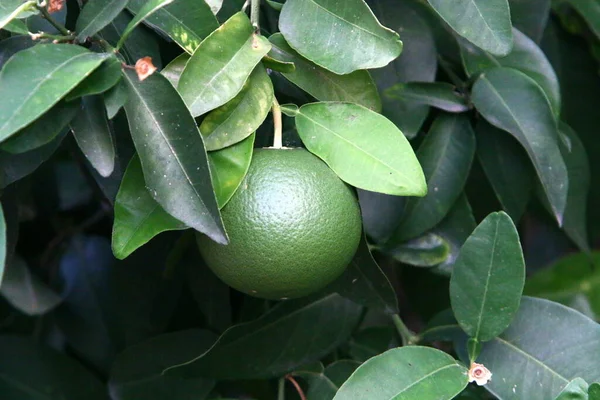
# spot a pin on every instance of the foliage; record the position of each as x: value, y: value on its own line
x: 467, y: 129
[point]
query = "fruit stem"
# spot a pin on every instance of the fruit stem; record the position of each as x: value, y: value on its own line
x: 255, y: 14
x: 405, y: 334
x: 281, y: 391
x: 277, y: 133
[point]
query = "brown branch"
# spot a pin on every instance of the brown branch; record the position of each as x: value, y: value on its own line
x: 297, y: 386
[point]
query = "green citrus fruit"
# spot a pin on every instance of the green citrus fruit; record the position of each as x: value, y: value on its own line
x: 293, y: 226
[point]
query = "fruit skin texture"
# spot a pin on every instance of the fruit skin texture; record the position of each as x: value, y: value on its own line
x: 293, y: 226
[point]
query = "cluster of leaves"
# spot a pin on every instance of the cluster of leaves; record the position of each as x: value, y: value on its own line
x: 100, y: 300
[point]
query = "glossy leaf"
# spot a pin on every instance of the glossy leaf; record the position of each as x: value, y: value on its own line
x: 16, y: 26
x: 16, y: 166
x: 570, y: 277
x: 31, y: 370
x: 339, y: 371
x: 521, y: 358
x: 406, y: 373
x: 372, y: 341
x: 220, y: 66
x: 149, y: 8
x: 241, y: 116
x: 92, y: 133
x: 357, y: 87
x: 173, y: 157
x: 530, y: 17
x: 339, y: 36
x: 507, y: 168
x: 140, y: 43
x: 578, y: 167
x: 364, y: 148
x: 425, y: 251
x: 276, y: 65
x: 381, y: 214
x: 526, y: 57
x: 228, y: 168
x: 137, y: 372
x: 12, y: 45
x: 25, y: 291
x: 96, y: 15
x: 512, y: 101
x: 187, y: 22
x: 488, y: 278
x: 114, y: 99
x: 316, y: 326
x: 418, y: 61
x: 577, y: 389
x: 11, y: 9
x: 101, y: 80
x: 43, y: 130
x: 437, y: 94
x: 319, y: 385
x: 485, y: 23
x: 175, y: 68
x: 455, y: 228
x: 35, y: 87
x: 138, y: 217
x: 446, y: 155
x: 365, y: 283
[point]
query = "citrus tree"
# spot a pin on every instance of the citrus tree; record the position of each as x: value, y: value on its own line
x: 299, y: 199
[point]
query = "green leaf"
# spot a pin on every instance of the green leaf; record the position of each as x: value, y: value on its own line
x: 16, y: 166
x: 275, y: 5
x: 578, y: 167
x: 406, y: 373
x: 43, y: 130
x: 339, y: 371
x: 149, y: 8
x: 364, y: 148
x: 35, y: 87
x: 319, y: 385
x: 12, y: 45
x: 446, y: 155
x: 428, y: 250
x: 11, y: 9
x: 228, y: 168
x: 339, y: 36
x: 455, y: 228
x: 25, y: 291
x: 95, y: 15
x: 371, y: 342
x: 31, y: 370
x: 17, y: 26
x: 240, y: 117
x: 315, y: 326
x: 140, y: 43
x: 507, y: 168
x: 175, y: 68
x: 512, y: 101
x: 114, y: 99
x: 137, y: 372
x: 577, y: 389
x: 357, y: 87
x: 101, y: 80
x: 138, y: 218
x: 526, y: 57
x: 172, y: 154
x: 92, y: 133
x: 485, y: 23
x: 437, y: 94
x: 222, y: 63
x: 418, y: 61
x: 590, y: 11
x: 525, y: 366
x: 187, y: 22
x: 365, y: 283
x: 564, y: 281
x: 530, y: 17
x: 276, y: 65
x: 488, y: 278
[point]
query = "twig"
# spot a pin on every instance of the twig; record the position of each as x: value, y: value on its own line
x: 297, y: 386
